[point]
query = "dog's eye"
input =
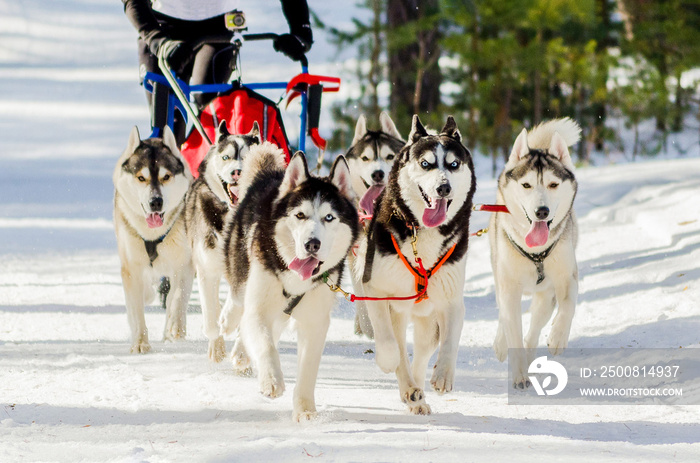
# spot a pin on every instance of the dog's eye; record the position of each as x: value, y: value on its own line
x: 527, y: 186
x: 454, y: 164
x: 300, y: 216
x: 329, y: 218
x: 365, y: 158
x: 166, y: 177
x: 553, y: 185
x: 389, y: 157
x: 141, y: 178
x: 424, y: 164
x: 225, y: 157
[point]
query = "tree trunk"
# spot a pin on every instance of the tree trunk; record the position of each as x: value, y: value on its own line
x: 537, y: 82
x: 678, y: 114
x: 413, y: 72
x: 375, y: 72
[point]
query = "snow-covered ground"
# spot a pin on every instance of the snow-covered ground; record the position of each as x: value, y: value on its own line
x: 69, y: 390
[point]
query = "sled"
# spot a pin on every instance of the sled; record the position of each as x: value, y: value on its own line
x: 239, y: 104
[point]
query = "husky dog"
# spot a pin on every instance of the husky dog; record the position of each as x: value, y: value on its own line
x: 532, y: 247
x: 422, y: 215
x: 290, y: 232
x: 211, y: 196
x: 370, y: 159
x: 150, y: 181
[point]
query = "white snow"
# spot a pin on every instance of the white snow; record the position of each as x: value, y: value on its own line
x: 70, y: 391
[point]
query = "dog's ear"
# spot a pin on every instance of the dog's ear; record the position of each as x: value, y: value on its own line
x: 134, y: 140
x: 388, y: 126
x: 169, y: 140
x: 451, y: 130
x: 297, y: 173
x: 222, y: 131
x: 360, y: 129
x: 559, y: 149
x: 417, y: 130
x: 255, y: 132
x: 340, y: 177
x: 520, y: 148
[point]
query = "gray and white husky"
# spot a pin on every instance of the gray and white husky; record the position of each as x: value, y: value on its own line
x: 532, y: 247
x: 370, y: 159
x: 150, y: 180
x: 423, y: 214
x: 289, y: 233
x: 210, y: 198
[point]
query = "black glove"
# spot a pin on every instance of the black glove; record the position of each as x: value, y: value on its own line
x: 177, y: 53
x: 292, y: 45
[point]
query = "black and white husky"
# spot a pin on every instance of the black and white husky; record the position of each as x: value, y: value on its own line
x: 423, y: 214
x: 532, y: 247
x: 150, y: 180
x: 208, y: 202
x: 290, y: 232
x: 370, y: 159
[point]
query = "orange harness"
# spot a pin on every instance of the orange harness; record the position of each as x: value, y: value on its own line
x: 421, y: 277
x: 420, y: 274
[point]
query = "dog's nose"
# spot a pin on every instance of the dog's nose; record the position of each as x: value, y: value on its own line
x: 156, y: 203
x: 312, y: 246
x: 444, y: 190
x: 236, y: 174
x: 378, y: 176
x: 542, y: 212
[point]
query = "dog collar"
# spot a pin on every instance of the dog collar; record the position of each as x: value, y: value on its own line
x: 294, y: 301
x: 537, y: 259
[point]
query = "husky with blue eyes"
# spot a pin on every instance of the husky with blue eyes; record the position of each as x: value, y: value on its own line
x: 289, y: 234
x: 423, y: 215
x: 210, y: 199
x: 533, y: 246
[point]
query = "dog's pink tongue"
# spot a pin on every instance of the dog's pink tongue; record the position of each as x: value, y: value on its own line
x: 368, y: 199
x: 538, y: 234
x: 432, y: 217
x: 154, y: 220
x: 304, y: 267
x: 233, y: 194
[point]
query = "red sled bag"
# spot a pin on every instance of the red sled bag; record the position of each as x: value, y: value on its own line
x: 239, y: 107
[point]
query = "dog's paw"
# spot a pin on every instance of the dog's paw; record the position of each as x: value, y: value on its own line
x: 387, y: 356
x: 443, y: 379
x: 557, y: 342
x: 240, y: 360
x: 415, y: 399
x: 500, y: 346
x: 304, y: 410
x: 306, y: 415
x: 140, y: 347
x: 174, y: 334
x: 521, y: 382
x: 271, y: 386
x: 217, y: 349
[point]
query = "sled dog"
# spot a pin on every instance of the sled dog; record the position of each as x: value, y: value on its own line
x: 370, y: 158
x: 210, y: 198
x: 423, y: 214
x: 290, y: 231
x: 150, y: 181
x: 532, y: 247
